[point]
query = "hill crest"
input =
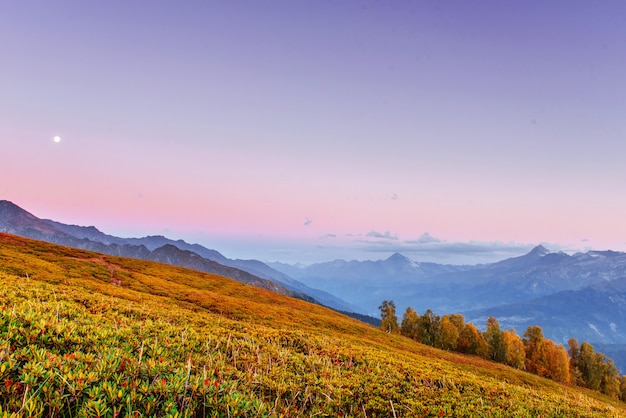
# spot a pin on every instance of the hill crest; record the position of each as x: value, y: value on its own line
x: 18, y: 221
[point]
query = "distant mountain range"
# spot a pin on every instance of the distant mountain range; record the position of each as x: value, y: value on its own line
x: 366, y: 283
x: 18, y: 221
x: 581, y: 295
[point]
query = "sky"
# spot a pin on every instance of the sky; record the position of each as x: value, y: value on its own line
x: 306, y: 131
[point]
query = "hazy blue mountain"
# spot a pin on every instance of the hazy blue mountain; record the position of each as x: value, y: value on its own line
x: 16, y: 220
x: 366, y: 283
x: 595, y: 313
x: 580, y: 296
x: 538, y: 273
x: 447, y: 288
x: 396, y: 268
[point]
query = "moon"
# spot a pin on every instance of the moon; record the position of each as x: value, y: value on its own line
x: 57, y: 139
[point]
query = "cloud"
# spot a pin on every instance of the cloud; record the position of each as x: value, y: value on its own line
x: 394, y: 197
x: 425, y: 238
x: 430, y: 249
x: 308, y: 221
x: 386, y: 235
x: 329, y: 236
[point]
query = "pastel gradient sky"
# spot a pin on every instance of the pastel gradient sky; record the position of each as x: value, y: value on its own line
x: 314, y: 130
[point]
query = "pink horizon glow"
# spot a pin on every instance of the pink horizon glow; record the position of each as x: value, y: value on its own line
x: 304, y: 128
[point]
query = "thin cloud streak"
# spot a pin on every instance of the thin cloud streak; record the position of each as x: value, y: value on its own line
x: 425, y: 238
x: 473, y: 252
x: 386, y: 235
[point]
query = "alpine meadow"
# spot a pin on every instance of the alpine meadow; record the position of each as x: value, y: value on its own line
x: 84, y: 334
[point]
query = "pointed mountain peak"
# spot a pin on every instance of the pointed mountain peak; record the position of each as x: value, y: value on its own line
x: 539, y: 250
x: 398, y: 258
x: 9, y: 210
x: 6, y: 205
x: 15, y: 220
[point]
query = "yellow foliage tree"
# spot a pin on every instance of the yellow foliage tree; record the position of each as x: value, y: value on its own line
x: 410, y: 326
x: 536, y: 361
x: 515, y: 355
x: 389, y: 320
x: 471, y: 341
x: 557, y: 362
x: 448, y: 334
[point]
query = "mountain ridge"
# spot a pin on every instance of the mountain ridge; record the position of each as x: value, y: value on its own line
x: 14, y: 219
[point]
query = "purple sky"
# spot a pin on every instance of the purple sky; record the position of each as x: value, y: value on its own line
x: 313, y: 130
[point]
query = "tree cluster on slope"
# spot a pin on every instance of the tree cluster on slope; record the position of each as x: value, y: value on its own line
x: 578, y: 365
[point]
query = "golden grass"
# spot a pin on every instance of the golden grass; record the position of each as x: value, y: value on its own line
x: 82, y: 334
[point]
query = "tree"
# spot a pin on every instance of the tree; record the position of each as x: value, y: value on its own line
x: 557, y: 362
x: 429, y: 327
x: 610, y: 379
x: 471, y: 341
x: 622, y: 388
x: 493, y: 335
x: 389, y: 320
x: 596, y: 371
x: 410, y: 326
x: 590, y: 366
x: 458, y: 321
x: 514, y: 353
x: 573, y: 351
x: 536, y: 361
x: 448, y: 334
x: 574, y: 359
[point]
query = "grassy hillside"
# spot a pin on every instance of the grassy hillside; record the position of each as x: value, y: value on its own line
x: 83, y: 334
